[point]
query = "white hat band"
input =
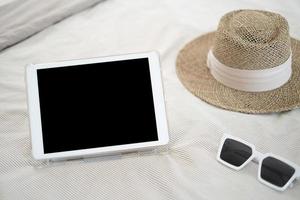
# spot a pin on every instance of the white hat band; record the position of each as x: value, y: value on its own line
x: 250, y: 80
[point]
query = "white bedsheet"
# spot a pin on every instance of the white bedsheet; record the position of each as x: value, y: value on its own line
x: 187, y: 169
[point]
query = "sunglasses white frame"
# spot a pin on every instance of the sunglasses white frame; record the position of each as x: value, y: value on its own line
x: 258, y: 157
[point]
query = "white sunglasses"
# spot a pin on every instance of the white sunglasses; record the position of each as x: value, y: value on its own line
x: 274, y: 171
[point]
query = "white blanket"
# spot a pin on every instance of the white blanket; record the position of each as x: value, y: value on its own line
x: 187, y: 169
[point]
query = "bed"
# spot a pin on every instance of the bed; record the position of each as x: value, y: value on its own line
x: 185, y: 169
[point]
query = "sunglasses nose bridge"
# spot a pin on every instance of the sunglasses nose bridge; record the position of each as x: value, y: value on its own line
x: 257, y: 157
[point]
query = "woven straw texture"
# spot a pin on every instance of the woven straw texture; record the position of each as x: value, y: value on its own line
x: 194, y: 74
x: 252, y: 39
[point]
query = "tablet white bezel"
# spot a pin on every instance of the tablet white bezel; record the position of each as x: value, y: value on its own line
x: 35, y: 118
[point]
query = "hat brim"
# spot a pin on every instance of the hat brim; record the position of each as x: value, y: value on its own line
x: 193, y: 72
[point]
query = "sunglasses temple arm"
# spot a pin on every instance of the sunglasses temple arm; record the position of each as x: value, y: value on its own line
x: 298, y: 176
x: 296, y: 179
x: 292, y: 183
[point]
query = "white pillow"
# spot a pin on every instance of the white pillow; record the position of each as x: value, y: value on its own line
x: 20, y: 19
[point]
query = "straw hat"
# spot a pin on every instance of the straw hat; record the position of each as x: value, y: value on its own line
x: 250, y: 64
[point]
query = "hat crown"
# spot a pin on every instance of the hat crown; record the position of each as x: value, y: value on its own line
x: 253, y: 26
x: 252, y: 40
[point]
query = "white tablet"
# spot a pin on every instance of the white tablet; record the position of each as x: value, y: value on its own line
x: 96, y: 106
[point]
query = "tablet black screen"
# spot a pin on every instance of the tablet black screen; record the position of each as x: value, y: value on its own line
x: 96, y: 105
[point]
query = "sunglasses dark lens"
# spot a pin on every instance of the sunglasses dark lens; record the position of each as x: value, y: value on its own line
x: 235, y: 153
x: 276, y: 172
